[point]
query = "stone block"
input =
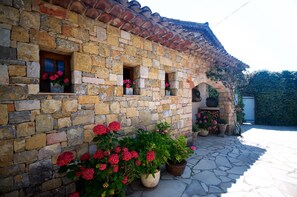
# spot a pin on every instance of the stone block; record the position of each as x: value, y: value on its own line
x: 3, y: 114
x: 6, y: 153
x: 23, y: 80
x: 49, y: 151
x: 44, y: 123
x: 27, y: 105
x: 132, y: 112
x: 51, y: 184
x: 7, y: 53
x: 101, y: 33
x: 75, y: 136
x: 66, y: 45
x: 16, y: 70
x: 153, y: 73
x: 102, y: 73
x: 117, y: 67
x: 143, y: 72
x: 111, y: 117
x: 147, y: 62
x: 54, y: 138
x: 83, y: 117
x: 19, y: 117
x: 25, y: 129
x: 21, y: 181
x: 36, y: 141
x: 5, y: 37
x: 112, y: 40
x: 12, y: 170
x: 33, y: 88
x: 19, y: 34
x: 69, y: 105
x: 115, y: 107
x: 50, y: 24
x: 102, y: 108
x: 7, y: 132
x: 125, y: 35
x: 147, y: 45
x: 13, y: 92
x: 88, y: 135
x: 28, y: 52
x: 113, y: 78
x: 44, y: 39
x: 33, y: 69
x: 4, y: 78
x: 51, y: 106
x: 91, y: 48
x: 30, y: 20
x: 64, y: 122
x: 77, y: 77
x: 9, y: 15
x: 40, y: 171
x: 81, y: 62
x: 137, y: 42
x: 19, y: 145
x: 86, y: 99
x: 6, y: 184
x: 93, y: 80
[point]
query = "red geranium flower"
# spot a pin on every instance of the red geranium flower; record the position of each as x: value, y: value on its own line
x: 44, y: 76
x: 114, y: 126
x: 102, y: 166
x: 126, y: 156
x: 66, y: 80
x: 87, y: 173
x: 125, y: 180
x: 115, y: 169
x: 117, y: 149
x: 99, y: 154
x: 138, y: 163
x: 113, y: 159
x: 193, y: 147
x: 65, y: 158
x: 134, y: 154
x: 100, y: 129
x: 60, y: 73
x: 106, y: 153
x: 74, y: 194
x: 125, y: 149
x: 150, y: 155
x: 85, y: 157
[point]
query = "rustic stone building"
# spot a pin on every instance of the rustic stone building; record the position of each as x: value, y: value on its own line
x: 97, y: 43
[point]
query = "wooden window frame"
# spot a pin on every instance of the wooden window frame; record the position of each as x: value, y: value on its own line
x: 45, y: 86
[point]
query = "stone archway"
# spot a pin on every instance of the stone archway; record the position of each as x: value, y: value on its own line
x: 226, y: 102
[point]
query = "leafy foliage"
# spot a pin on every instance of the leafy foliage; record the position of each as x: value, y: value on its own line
x: 275, y: 97
x: 179, y: 150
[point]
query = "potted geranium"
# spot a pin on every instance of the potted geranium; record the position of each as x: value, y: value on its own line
x: 162, y: 127
x: 128, y: 86
x: 205, y: 123
x: 179, y: 152
x: 108, y: 171
x: 167, y: 89
x: 57, y: 81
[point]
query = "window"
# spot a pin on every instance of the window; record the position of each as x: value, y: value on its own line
x: 52, y: 63
x: 128, y: 80
x: 170, y: 84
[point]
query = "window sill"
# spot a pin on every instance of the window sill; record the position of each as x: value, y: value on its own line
x: 53, y: 93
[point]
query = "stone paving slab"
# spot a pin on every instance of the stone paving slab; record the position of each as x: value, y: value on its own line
x: 261, y: 163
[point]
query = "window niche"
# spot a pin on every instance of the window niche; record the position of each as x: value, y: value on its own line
x: 51, y: 63
x: 170, y: 81
x: 130, y: 80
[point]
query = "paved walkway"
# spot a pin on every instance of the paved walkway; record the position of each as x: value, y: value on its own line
x: 262, y: 163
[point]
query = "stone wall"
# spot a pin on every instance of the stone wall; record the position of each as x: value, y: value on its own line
x: 35, y: 127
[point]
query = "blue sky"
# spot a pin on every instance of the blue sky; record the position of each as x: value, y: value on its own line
x: 262, y: 34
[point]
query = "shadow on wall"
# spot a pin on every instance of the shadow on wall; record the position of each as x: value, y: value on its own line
x: 217, y: 164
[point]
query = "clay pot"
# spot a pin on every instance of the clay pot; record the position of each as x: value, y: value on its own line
x: 176, y: 169
x: 149, y: 181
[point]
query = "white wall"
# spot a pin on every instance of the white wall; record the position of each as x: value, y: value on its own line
x: 203, y: 88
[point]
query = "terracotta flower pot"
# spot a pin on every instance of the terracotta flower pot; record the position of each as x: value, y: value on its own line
x: 176, y: 169
x: 149, y: 181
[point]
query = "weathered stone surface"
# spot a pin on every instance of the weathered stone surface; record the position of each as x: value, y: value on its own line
x: 3, y: 114
x: 81, y: 62
x: 6, y: 184
x: 64, y: 122
x: 33, y: 88
x: 86, y: 99
x: 16, y: 70
x: 51, y: 184
x: 30, y: 20
x: 19, y: 145
x: 102, y: 108
x: 223, y: 161
x: 5, y: 37
x: 101, y: 33
x: 26, y: 156
x: 28, y: 52
x: 44, y: 123
x: 25, y: 129
x: 19, y: 117
x: 89, y: 135
x: 43, y: 39
x: 13, y: 92
x: 195, y: 188
x: 49, y: 151
x: 7, y: 132
x: 36, y: 141
x: 69, y: 106
x: 4, y: 78
x: 27, y: 105
x: 19, y: 34
x: 66, y: 45
x: 115, y: 107
x: 21, y: 181
x: 54, y: 138
x: 33, y: 69
x: 83, y: 117
x: 6, y: 153
x: 50, y: 24
x: 75, y: 136
x: 77, y: 77
x: 208, y: 178
x: 205, y: 164
x: 132, y: 112
x: 23, y: 80
x: 18, y: 4
x: 7, y: 53
x: 12, y: 170
x: 40, y: 171
x: 102, y: 73
x: 51, y: 106
x: 52, y: 10
x: 238, y: 170
x: 9, y: 15
x: 91, y: 48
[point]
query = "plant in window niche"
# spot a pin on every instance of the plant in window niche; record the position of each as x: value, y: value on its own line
x: 167, y: 86
x: 128, y: 83
x: 56, y: 78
